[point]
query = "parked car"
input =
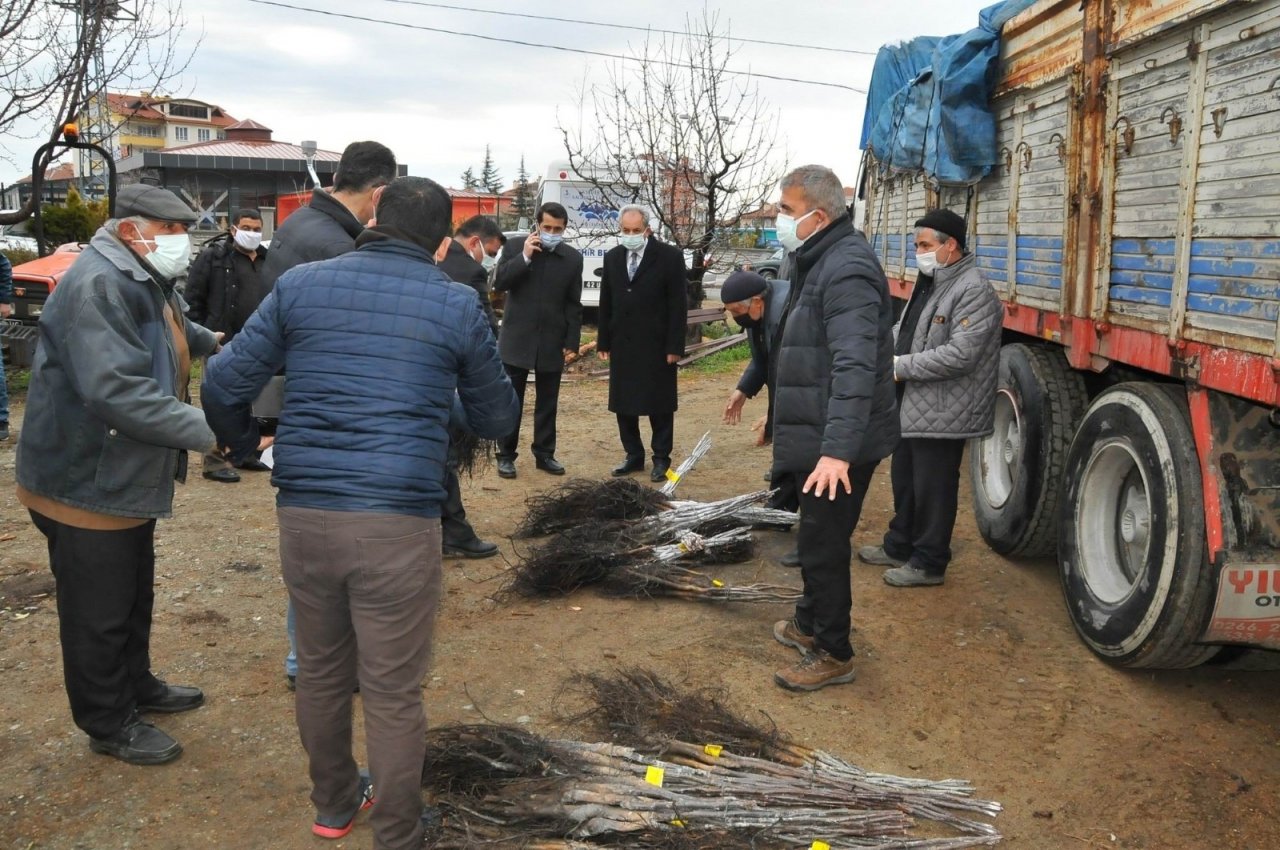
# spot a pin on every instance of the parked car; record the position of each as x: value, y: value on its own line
x: 768, y: 268
x: 17, y: 237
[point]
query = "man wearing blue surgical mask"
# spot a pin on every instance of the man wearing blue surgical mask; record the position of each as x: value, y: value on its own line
x: 542, y: 277
x: 836, y: 415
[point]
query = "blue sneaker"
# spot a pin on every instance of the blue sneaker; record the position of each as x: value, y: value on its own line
x: 340, y: 827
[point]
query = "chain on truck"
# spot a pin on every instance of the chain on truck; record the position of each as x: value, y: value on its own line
x: 1120, y: 186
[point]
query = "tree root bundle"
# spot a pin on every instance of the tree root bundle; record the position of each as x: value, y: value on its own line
x: 611, y: 554
x: 581, y: 502
x: 472, y: 453
x: 503, y: 787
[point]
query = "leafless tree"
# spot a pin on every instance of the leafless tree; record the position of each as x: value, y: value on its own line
x: 679, y: 132
x: 59, y: 56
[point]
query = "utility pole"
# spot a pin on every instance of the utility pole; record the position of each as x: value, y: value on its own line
x: 95, y: 118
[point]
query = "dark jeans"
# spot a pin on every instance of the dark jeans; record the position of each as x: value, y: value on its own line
x: 663, y: 426
x: 105, y: 587
x: 547, y: 385
x: 365, y: 589
x: 926, y: 485
x: 825, y: 550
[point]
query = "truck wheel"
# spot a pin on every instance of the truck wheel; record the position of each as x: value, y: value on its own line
x: 1131, y: 536
x: 1016, y: 471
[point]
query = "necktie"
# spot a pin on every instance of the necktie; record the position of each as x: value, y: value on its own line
x: 631, y: 265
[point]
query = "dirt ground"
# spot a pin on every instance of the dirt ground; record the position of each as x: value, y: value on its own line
x: 981, y: 679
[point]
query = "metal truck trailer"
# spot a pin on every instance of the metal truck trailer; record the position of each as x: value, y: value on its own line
x: 1132, y: 229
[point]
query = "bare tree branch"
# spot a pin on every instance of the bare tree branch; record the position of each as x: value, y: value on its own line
x: 677, y: 132
x: 56, y: 64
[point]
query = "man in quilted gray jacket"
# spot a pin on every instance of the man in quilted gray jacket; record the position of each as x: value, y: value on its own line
x: 947, y: 352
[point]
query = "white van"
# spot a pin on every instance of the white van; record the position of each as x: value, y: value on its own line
x: 593, y: 221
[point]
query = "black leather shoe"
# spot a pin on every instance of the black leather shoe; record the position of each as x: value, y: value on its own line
x: 506, y: 468
x: 630, y: 465
x: 253, y: 465
x: 549, y: 464
x: 226, y: 476
x: 473, y: 548
x: 791, y: 559
x: 660, y: 468
x: 172, y: 699
x: 138, y: 743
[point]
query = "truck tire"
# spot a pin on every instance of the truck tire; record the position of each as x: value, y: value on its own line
x: 1131, y: 535
x: 1015, y: 472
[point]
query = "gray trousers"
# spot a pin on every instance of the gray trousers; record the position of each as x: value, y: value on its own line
x: 365, y: 589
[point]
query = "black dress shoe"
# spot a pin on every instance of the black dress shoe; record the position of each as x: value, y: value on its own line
x: 549, y: 464
x: 226, y: 476
x: 506, y: 468
x: 253, y: 465
x: 660, y: 469
x: 172, y: 699
x: 138, y: 742
x: 473, y: 548
x: 791, y: 559
x: 630, y: 465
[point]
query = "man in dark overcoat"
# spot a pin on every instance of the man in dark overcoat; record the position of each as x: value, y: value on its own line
x: 542, y: 277
x: 643, y: 310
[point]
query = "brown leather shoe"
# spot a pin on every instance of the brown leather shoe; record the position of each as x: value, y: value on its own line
x: 787, y: 633
x: 816, y: 670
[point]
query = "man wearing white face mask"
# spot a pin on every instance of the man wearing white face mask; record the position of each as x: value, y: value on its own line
x: 946, y: 357
x: 107, y: 430
x: 223, y: 289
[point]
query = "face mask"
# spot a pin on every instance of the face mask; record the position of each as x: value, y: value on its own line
x: 745, y: 321
x: 488, y: 262
x: 632, y: 241
x: 927, y: 263
x: 787, y: 230
x: 172, y: 253
x: 551, y: 240
x: 249, y: 240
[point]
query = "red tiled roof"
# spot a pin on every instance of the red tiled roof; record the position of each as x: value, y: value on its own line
x: 134, y: 106
x: 137, y: 106
x: 229, y: 147
x: 249, y: 124
x: 65, y: 171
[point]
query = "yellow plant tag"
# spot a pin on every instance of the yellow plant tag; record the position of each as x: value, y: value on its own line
x: 672, y: 476
x: 677, y: 823
x: 819, y: 845
x: 653, y: 776
x: 713, y: 750
x: 717, y: 582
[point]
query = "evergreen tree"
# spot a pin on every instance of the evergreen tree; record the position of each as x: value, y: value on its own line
x: 522, y: 203
x: 469, y: 180
x: 74, y: 221
x: 490, y: 179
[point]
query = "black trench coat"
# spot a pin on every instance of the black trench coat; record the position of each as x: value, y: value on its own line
x: 641, y: 322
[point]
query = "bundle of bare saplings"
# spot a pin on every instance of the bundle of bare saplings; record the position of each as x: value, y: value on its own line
x: 679, y: 770
x: 632, y: 542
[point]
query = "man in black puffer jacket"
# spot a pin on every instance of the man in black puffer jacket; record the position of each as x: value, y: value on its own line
x: 836, y: 415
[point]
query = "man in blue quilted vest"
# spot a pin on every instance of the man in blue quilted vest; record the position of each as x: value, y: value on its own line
x: 382, y: 351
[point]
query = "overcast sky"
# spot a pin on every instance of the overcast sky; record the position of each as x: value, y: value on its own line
x: 438, y: 99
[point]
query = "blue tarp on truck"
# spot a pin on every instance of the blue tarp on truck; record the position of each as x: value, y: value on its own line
x: 928, y: 101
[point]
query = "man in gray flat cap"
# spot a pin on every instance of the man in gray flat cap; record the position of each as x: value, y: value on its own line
x: 107, y: 429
